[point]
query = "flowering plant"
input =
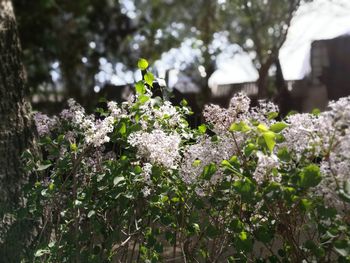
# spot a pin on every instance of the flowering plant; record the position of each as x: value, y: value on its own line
x: 134, y: 183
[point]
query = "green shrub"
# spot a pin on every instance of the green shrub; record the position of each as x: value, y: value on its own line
x: 134, y: 183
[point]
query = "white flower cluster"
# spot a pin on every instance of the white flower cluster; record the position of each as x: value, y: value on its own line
x: 97, y: 133
x: 338, y: 135
x: 301, y: 135
x: 168, y: 111
x: 197, y: 156
x: 326, y: 135
x: 204, y: 152
x: 222, y: 118
x: 44, y: 123
x: 114, y: 109
x: 155, y: 114
x: 157, y: 147
x: 263, y: 171
x: 146, y: 174
x: 238, y: 110
x: 74, y: 113
x: 119, y: 112
x: 261, y: 112
x: 240, y: 103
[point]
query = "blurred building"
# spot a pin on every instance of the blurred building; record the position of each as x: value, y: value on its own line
x: 328, y: 78
x: 330, y: 62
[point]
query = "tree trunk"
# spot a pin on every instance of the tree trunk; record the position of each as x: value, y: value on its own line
x: 262, y: 82
x: 15, y: 131
x: 284, y: 99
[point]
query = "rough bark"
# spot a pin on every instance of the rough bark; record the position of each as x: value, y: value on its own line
x: 15, y: 131
x: 262, y: 82
x: 283, y: 99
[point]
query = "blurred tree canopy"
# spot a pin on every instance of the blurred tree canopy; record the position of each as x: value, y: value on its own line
x: 64, y: 41
x: 261, y: 28
x: 70, y: 37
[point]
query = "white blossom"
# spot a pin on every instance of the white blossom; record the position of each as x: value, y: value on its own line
x: 265, y: 165
x: 97, y: 133
x: 44, y: 123
x: 167, y: 110
x: 262, y: 111
x: 75, y: 113
x: 146, y: 191
x: 157, y: 147
x: 301, y: 135
x: 204, y: 152
x: 238, y: 110
x: 240, y: 103
x: 146, y: 172
x: 115, y: 110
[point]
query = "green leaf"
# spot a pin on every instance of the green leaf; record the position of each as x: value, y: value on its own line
x: 342, y: 247
x: 310, y: 176
x: 91, y: 213
x: 26, y: 154
x: 42, y: 167
x: 245, y: 188
x: 278, y: 126
x: 327, y: 212
x: 249, y: 149
x: 264, y: 234
x: 183, y: 103
x: 149, y: 78
x: 196, y: 227
x: 140, y: 88
x: 306, y: 204
x: 142, y: 64
x: 73, y: 147
x: 51, y: 186
x: 122, y: 129
x: 41, y: 252
x: 196, y: 163
x: 164, y: 198
x: 209, y: 171
x: 175, y: 199
x: 51, y: 244
x: 310, y: 244
x: 236, y: 225
x: 232, y: 165
x: 244, y: 242
x: 137, y: 169
x: 262, y: 128
x: 226, y: 163
x: 344, y: 192
x: 272, y: 115
x: 283, y: 154
x: 241, y: 127
x: 60, y: 138
x: 316, y: 112
x: 118, y: 179
x: 143, y: 99
x: 202, y: 128
x: 212, y: 231
x: 269, y: 138
x: 235, y: 162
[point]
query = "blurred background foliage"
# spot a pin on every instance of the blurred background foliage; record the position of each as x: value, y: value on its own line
x: 73, y: 48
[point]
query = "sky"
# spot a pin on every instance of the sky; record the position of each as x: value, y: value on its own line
x: 322, y: 19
